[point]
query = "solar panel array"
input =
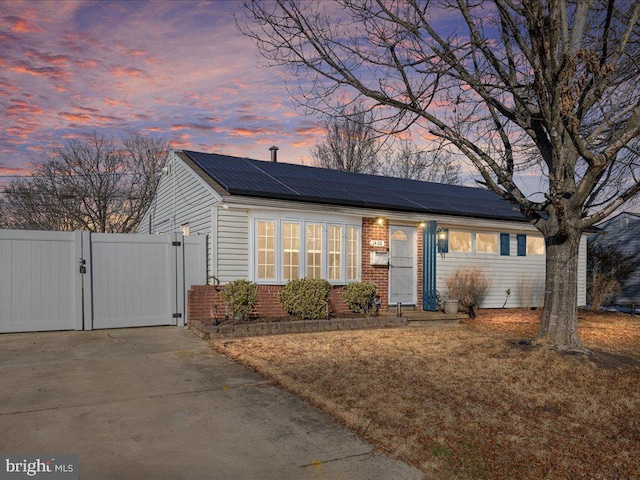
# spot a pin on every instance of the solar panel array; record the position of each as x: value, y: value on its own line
x: 255, y: 178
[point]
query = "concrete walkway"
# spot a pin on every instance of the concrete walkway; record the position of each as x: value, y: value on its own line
x: 158, y: 403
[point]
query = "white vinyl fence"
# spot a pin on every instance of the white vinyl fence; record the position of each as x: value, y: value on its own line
x: 81, y: 280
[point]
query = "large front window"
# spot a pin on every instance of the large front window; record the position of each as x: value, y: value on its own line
x: 290, y: 249
x: 353, y: 253
x: 335, y: 253
x: 314, y: 251
x: 266, y: 264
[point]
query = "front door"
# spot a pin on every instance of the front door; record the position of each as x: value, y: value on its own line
x: 402, y: 264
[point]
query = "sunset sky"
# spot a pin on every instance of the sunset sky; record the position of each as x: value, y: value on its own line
x: 179, y: 69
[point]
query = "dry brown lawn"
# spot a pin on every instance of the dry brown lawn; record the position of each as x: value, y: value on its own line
x: 470, y: 401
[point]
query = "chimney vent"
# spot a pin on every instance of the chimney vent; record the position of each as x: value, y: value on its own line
x: 274, y: 153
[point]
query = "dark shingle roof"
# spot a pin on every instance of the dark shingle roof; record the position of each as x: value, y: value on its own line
x: 286, y: 181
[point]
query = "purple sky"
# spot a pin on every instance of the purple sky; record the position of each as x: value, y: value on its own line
x: 179, y: 69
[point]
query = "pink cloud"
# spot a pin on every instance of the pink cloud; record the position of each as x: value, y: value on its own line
x: 120, y: 71
x: 20, y: 25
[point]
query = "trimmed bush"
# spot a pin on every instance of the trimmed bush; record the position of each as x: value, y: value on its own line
x: 306, y: 298
x: 359, y: 297
x: 240, y: 296
x: 469, y: 286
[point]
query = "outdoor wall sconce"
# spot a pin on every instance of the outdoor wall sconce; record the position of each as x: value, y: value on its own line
x: 442, y: 234
x: 380, y: 220
x: 422, y: 224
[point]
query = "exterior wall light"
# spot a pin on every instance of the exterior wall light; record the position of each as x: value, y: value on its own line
x: 380, y: 220
x: 443, y: 243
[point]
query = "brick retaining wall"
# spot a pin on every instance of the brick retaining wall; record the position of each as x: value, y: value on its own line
x: 207, y: 331
x: 204, y: 303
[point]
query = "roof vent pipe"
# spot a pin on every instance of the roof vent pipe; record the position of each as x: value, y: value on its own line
x: 274, y: 153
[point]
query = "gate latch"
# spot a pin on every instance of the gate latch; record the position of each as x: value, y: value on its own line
x: 83, y: 268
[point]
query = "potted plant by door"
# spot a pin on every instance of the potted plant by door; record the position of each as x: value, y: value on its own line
x: 451, y: 306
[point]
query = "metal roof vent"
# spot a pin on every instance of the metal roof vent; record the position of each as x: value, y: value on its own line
x: 274, y: 153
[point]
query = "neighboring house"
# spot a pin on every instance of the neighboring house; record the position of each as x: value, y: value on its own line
x: 623, y: 231
x: 269, y: 222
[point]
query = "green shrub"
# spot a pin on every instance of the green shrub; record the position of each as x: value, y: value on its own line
x: 306, y: 298
x: 469, y: 286
x: 240, y: 297
x: 359, y: 297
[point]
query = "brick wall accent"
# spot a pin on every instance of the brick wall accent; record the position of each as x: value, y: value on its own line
x: 378, y: 274
x: 204, y: 303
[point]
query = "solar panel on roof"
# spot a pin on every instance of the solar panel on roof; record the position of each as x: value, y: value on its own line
x: 243, y: 176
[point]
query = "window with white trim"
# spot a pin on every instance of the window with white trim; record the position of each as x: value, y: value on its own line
x: 353, y: 253
x: 335, y: 253
x: 459, y: 241
x: 314, y: 250
x: 535, y: 245
x: 290, y: 251
x: 266, y: 250
x: 486, y: 243
x: 287, y: 249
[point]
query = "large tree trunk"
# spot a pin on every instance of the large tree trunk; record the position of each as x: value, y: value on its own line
x: 559, y: 324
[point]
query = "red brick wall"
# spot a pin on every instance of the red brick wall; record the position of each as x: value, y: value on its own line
x: 374, y: 273
x: 202, y: 301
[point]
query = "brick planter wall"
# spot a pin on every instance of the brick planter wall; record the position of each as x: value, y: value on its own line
x: 204, y: 303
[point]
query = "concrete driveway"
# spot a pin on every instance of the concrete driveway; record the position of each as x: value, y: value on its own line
x: 158, y: 403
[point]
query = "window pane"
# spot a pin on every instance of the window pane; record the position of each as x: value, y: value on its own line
x: 459, y: 241
x: 486, y: 243
x: 535, y: 245
x: 290, y: 251
x: 335, y: 252
x: 266, y: 258
x: 314, y: 251
x: 353, y: 253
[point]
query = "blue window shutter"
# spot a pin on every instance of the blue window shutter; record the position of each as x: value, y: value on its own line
x: 504, y: 244
x: 443, y: 245
x: 522, y: 245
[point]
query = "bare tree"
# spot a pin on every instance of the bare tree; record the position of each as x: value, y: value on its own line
x: 551, y: 85
x: 410, y: 161
x: 93, y: 185
x: 351, y: 144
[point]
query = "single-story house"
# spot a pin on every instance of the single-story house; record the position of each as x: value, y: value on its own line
x: 623, y: 231
x: 270, y: 222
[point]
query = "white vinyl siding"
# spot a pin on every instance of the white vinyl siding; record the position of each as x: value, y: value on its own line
x: 232, y: 242
x: 512, y: 272
x: 182, y: 200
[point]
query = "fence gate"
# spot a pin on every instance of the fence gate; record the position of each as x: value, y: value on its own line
x: 81, y: 280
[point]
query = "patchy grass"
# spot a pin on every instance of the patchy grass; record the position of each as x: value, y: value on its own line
x: 469, y: 401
